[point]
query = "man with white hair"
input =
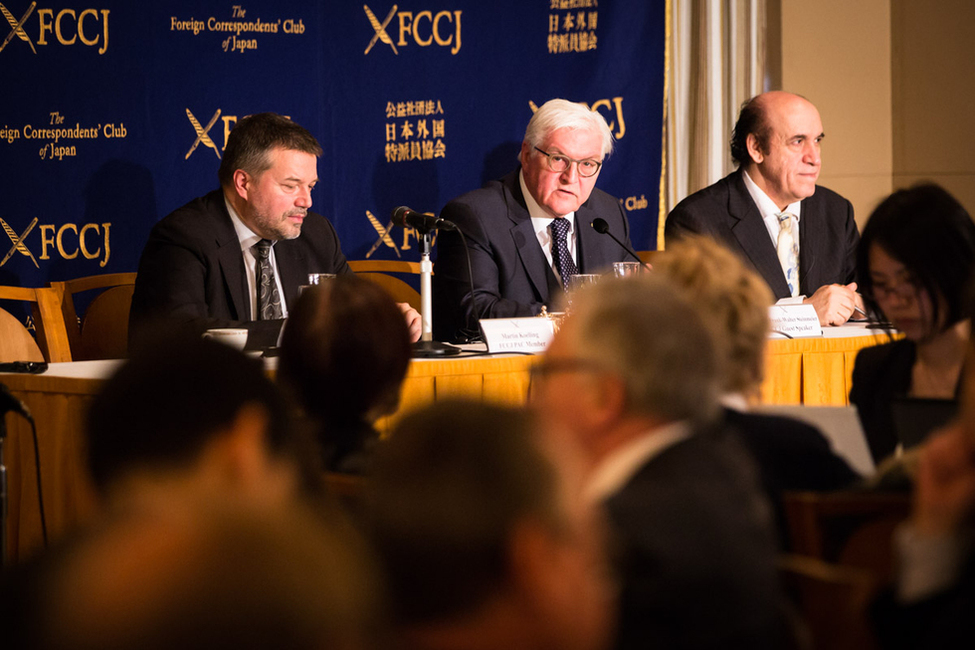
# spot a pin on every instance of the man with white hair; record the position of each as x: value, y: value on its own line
x: 633, y: 378
x: 528, y: 232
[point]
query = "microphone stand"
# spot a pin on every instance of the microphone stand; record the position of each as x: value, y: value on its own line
x: 426, y: 347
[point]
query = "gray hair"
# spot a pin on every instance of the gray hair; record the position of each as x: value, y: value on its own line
x: 650, y: 336
x: 562, y: 114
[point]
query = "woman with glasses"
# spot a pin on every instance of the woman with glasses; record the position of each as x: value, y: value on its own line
x: 914, y: 263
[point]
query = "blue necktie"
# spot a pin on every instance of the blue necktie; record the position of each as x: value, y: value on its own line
x: 560, y: 251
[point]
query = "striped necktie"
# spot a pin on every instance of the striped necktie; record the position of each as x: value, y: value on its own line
x: 788, y: 251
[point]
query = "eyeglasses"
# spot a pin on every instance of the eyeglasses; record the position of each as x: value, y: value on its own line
x: 904, y: 290
x: 558, y: 162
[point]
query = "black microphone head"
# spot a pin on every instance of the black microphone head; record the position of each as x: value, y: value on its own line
x: 399, y: 215
x: 599, y: 225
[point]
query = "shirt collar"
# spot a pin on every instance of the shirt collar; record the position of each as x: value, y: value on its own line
x: 245, y: 235
x: 766, y: 206
x: 615, y: 470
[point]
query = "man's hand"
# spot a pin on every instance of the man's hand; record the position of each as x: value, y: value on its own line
x: 944, y: 494
x: 834, y: 303
x: 413, y: 320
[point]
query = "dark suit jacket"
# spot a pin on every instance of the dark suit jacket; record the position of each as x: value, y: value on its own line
x: 725, y: 211
x: 511, y: 275
x: 696, y: 550
x: 791, y: 455
x: 191, y: 274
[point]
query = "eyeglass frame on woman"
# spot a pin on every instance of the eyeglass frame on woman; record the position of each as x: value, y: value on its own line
x: 903, y: 289
x: 551, y: 163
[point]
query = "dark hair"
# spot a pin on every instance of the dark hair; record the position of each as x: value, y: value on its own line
x: 254, y: 136
x: 170, y: 399
x: 344, y: 353
x: 751, y: 120
x: 932, y: 235
x: 449, y: 486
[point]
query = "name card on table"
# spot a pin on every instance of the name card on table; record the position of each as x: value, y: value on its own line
x: 517, y: 334
x: 795, y: 321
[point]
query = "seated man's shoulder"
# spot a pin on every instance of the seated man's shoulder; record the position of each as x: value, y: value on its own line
x: 194, y: 216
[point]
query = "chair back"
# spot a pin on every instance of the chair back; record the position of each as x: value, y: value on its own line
x: 833, y: 601
x: 16, y: 342
x: 103, y: 330
x: 378, y: 272
x: 853, y: 528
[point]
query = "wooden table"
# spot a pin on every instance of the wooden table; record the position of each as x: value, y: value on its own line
x: 810, y: 371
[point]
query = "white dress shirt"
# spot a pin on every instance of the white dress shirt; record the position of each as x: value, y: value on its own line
x: 248, y: 238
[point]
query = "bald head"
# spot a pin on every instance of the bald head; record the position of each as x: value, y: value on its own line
x: 777, y: 142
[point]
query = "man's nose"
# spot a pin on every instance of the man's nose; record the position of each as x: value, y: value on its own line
x: 812, y: 154
x: 303, y: 199
x: 571, y: 173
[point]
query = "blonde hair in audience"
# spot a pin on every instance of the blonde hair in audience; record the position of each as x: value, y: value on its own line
x: 733, y: 300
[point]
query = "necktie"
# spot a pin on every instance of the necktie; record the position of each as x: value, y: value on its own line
x: 560, y: 251
x: 788, y: 251
x: 268, y: 299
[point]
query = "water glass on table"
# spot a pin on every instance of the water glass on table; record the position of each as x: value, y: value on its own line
x: 314, y: 279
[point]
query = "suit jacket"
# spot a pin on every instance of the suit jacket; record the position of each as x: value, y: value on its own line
x: 191, y: 274
x: 696, y: 550
x: 725, y: 211
x: 791, y: 455
x: 511, y: 275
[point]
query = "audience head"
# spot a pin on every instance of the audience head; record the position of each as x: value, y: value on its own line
x: 212, y: 574
x: 733, y: 301
x: 777, y: 141
x: 188, y: 406
x: 480, y: 524
x: 344, y: 353
x: 916, y: 256
x: 254, y: 137
x: 633, y: 354
x: 561, y: 132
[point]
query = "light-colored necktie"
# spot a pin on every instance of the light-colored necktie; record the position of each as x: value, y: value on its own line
x: 788, y: 251
x: 268, y: 299
x: 560, y: 251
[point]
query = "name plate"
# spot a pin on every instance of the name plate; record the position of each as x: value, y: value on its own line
x: 517, y: 334
x: 795, y: 321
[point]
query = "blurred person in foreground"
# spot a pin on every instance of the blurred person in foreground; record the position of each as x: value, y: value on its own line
x: 187, y: 417
x: 933, y: 602
x: 916, y: 257
x: 209, y: 573
x: 633, y: 377
x: 344, y: 354
x: 733, y: 300
x: 484, y: 535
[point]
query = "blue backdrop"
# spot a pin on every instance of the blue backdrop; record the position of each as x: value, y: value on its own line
x: 115, y: 113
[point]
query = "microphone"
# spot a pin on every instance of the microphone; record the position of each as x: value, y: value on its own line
x: 422, y: 223
x: 599, y: 225
x: 10, y: 403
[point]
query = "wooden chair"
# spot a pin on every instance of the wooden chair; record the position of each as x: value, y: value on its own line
x: 103, y: 331
x: 833, y: 601
x: 378, y: 271
x: 16, y: 342
x: 851, y: 528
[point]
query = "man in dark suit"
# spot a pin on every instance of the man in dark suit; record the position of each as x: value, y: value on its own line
x: 236, y: 257
x: 800, y: 237
x: 632, y: 376
x: 529, y: 231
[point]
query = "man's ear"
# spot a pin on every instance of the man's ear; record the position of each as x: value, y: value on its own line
x: 526, y: 150
x: 754, y: 149
x: 242, y: 183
